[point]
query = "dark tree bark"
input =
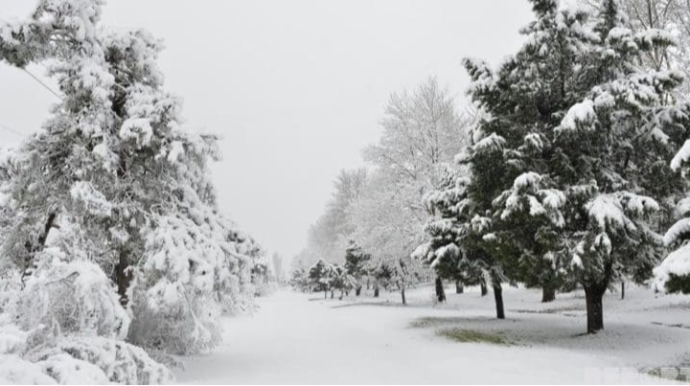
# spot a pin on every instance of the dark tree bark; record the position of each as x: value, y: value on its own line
x: 402, y: 293
x: 32, y: 248
x: 123, y: 276
x: 440, y: 292
x: 548, y: 294
x: 358, y: 291
x: 498, y: 297
x: 332, y: 294
x: 594, y: 296
x: 459, y: 288
x: 485, y: 290
x: 622, y: 290
x: 376, y: 292
x: 325, y: 293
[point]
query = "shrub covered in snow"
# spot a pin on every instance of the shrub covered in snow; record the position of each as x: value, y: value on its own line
x: 69, y: 298
x: 67, y: 326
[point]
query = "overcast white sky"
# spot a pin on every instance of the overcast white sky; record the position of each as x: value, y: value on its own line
x: 296, y: 87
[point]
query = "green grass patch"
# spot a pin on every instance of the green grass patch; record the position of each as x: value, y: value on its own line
x: 472, y: 336
x: 672, y: 373
x: 431, y: 321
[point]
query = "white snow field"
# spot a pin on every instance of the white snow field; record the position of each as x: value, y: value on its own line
x: 302, y: 338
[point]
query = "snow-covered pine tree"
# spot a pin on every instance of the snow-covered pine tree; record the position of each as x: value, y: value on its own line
x: 455, y: 234
x: 611, y: 157
x: 300, y: 280
x: 524, y: 102
x: 320, y: 276
x: 585, y: 133
x: 343, y: 281
x: 397, y: 274
x: 673, y: 274
x: 356, y: 264
x: 569, y: 123
x: 509, y: 185
x: 121, y: 177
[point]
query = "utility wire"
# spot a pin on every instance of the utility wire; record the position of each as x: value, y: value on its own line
x: 8, y: 129
x: 43, y: 84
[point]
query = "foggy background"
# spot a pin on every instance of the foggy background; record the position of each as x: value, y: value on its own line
x: 296, y: 88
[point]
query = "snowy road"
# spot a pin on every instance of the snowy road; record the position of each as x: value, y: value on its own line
x: 297, y: 338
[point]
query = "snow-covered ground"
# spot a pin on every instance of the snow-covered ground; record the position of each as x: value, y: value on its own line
x: 302, y: 338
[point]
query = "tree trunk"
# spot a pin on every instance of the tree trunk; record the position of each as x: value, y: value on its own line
x: 548, y: 294
x: 595, y: 309
x: 32, y: 249
x: 358, y: 291
x: 123, y: 276
x: 332, y: 294
x: 402, y: 293
x: 485, y: 290
x: 368, y: 284
x: 622, y: 290
x: 325, y: 293
x: 459, y: 288
x: 498, y: 297
x: 440, y: 292
x: 376, y: 289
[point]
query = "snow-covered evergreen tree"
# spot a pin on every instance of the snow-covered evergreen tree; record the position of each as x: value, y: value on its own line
x: 673, y: 274
x: 571, y: 156
x: 456, y: 235
x: 611, y: 159
x: 357, y: 264
x: 342, y: 280
x: 115, y: 177
x: 321, y: 276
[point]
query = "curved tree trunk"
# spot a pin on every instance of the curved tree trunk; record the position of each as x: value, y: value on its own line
x: 32, y: 248
x: 498, y: 297
x: 548, y: 294
x: 440, y: 292
x: 123, y: 276
x: 358, y: 291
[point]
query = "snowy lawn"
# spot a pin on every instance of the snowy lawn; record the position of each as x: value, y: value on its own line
x: 302, y: 338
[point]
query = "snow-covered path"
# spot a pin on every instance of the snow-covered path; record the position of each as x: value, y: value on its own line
x: 297, y: 338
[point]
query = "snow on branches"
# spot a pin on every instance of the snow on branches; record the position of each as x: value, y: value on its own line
x: 114, y: 182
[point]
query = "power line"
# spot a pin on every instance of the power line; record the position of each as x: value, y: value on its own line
x: 8, y: 129
x: 42, y: 84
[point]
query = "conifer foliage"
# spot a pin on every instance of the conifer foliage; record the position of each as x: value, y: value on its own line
x: 115, y: 186
x: 571, y: 157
